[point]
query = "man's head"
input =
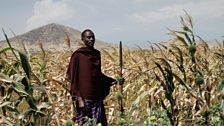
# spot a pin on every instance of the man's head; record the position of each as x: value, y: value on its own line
x: 88, y: 38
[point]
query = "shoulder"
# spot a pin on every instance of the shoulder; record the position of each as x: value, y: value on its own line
x: 76, y: 53
x: 97, y: 51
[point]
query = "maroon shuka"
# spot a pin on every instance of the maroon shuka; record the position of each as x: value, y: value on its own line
x: 84, y: 73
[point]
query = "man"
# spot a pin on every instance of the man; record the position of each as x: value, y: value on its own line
x: 89, y: 86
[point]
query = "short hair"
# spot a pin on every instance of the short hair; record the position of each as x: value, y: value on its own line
x: 83, y: 33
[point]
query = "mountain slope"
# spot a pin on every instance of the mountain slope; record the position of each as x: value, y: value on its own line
x: 52, y: 36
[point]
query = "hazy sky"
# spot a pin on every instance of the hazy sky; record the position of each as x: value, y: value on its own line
x: 135, y: 22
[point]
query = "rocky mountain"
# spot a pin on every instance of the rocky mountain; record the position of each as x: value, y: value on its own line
x: 52, y: 37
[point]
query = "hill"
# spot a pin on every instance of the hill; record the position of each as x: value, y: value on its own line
x: 52, y: 37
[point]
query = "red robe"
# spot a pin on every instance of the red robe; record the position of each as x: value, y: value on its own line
x: 84, y: 73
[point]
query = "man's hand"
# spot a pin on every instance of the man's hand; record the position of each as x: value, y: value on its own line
x: 119, y: 80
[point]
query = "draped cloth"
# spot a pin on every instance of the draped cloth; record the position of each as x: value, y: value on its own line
x: 92, y: 110
x: 84, y: 73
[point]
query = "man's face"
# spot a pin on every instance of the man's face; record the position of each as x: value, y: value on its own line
x: 88, y: 39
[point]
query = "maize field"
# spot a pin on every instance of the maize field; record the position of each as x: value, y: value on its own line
x: 174, y: 83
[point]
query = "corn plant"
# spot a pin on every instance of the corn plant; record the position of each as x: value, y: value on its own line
x: 194, y: 81
x: 18, y: 102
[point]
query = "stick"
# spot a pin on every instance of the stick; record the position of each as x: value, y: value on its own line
x: 121, y: 85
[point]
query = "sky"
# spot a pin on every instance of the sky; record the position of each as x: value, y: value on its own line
x: 134, y: 22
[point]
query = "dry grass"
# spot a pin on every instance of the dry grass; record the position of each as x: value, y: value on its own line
x: 141, y: 87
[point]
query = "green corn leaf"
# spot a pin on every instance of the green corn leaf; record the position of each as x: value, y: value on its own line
x: 24, y: 60
x: 165, y: 108
x: 188, y: 38
x: 9, y: 44
x: 167, y: 74
x: 181, y: 39
x: 162, y: 83
x: 68, y: 123
x: 165, y: 47
x: 169, y: 78
x: 157, y: 77
x: 160, y: 49
x: 5, y: 104
x: 25, y: 63
x: 179, y: 58
x: 160, y: 68
x: 4, y: 50
x: 193, y: 39
x: 19, y: 87
x: 180, y: 81
x: 174, y: 62
x: 31, y: 103
x: 187, y: 29
x: 29, y: 112
x: 189, y: 19
x: 5, y: 78
x: 164, y: 61
x: 168, y: 70
x: 199, y: 80
x: 180, y: 32
x: 18, y: 101
x: 40, y: 113
x: 173, y: 53
x: 26, y: 83
x: 163, y: 105
x: 9, y: 93
x: 12, y: 109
